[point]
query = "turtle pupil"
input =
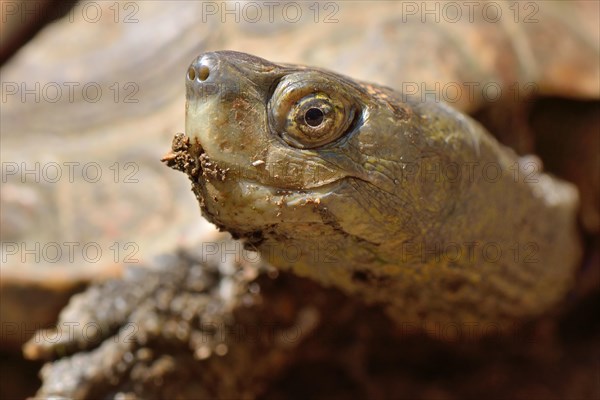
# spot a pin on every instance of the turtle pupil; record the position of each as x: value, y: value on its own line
x: 314, y: 117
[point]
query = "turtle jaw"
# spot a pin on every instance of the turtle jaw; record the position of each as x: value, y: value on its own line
x: 244, y: 205
x: 247, y: 179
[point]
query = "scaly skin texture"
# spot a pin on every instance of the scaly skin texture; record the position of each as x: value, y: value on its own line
x: 189, y: 326
x: 406, y: 203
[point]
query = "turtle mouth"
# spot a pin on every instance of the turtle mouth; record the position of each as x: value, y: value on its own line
x: 185, y: 155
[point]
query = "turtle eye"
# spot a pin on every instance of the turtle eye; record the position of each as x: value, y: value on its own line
x: 314, y: 117
x: 313, y: 121
x: 307, y: 116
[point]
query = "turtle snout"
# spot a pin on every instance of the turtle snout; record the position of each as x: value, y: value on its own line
x: 200, y: 70
x: 206, y: 77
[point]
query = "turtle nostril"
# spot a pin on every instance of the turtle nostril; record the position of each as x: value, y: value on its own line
x: 203, y: 72
x: 191, y: 73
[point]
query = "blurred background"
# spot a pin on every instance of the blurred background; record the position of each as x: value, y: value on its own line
x: 93, y: 91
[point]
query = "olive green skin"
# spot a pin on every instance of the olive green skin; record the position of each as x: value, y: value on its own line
x: 380, y: 212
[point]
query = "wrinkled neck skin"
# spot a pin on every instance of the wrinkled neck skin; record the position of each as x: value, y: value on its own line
x: 418, y: 208
x: 459, y: 230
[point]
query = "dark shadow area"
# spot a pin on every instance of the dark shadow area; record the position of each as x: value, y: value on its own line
x: 22, y: 20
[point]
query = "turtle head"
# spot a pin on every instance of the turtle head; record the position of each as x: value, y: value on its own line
x: 282, y: 127
x: 295, y: 155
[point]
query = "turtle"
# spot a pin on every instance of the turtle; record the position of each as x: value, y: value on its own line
x: 329, y: 46
x: 385, y: 196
